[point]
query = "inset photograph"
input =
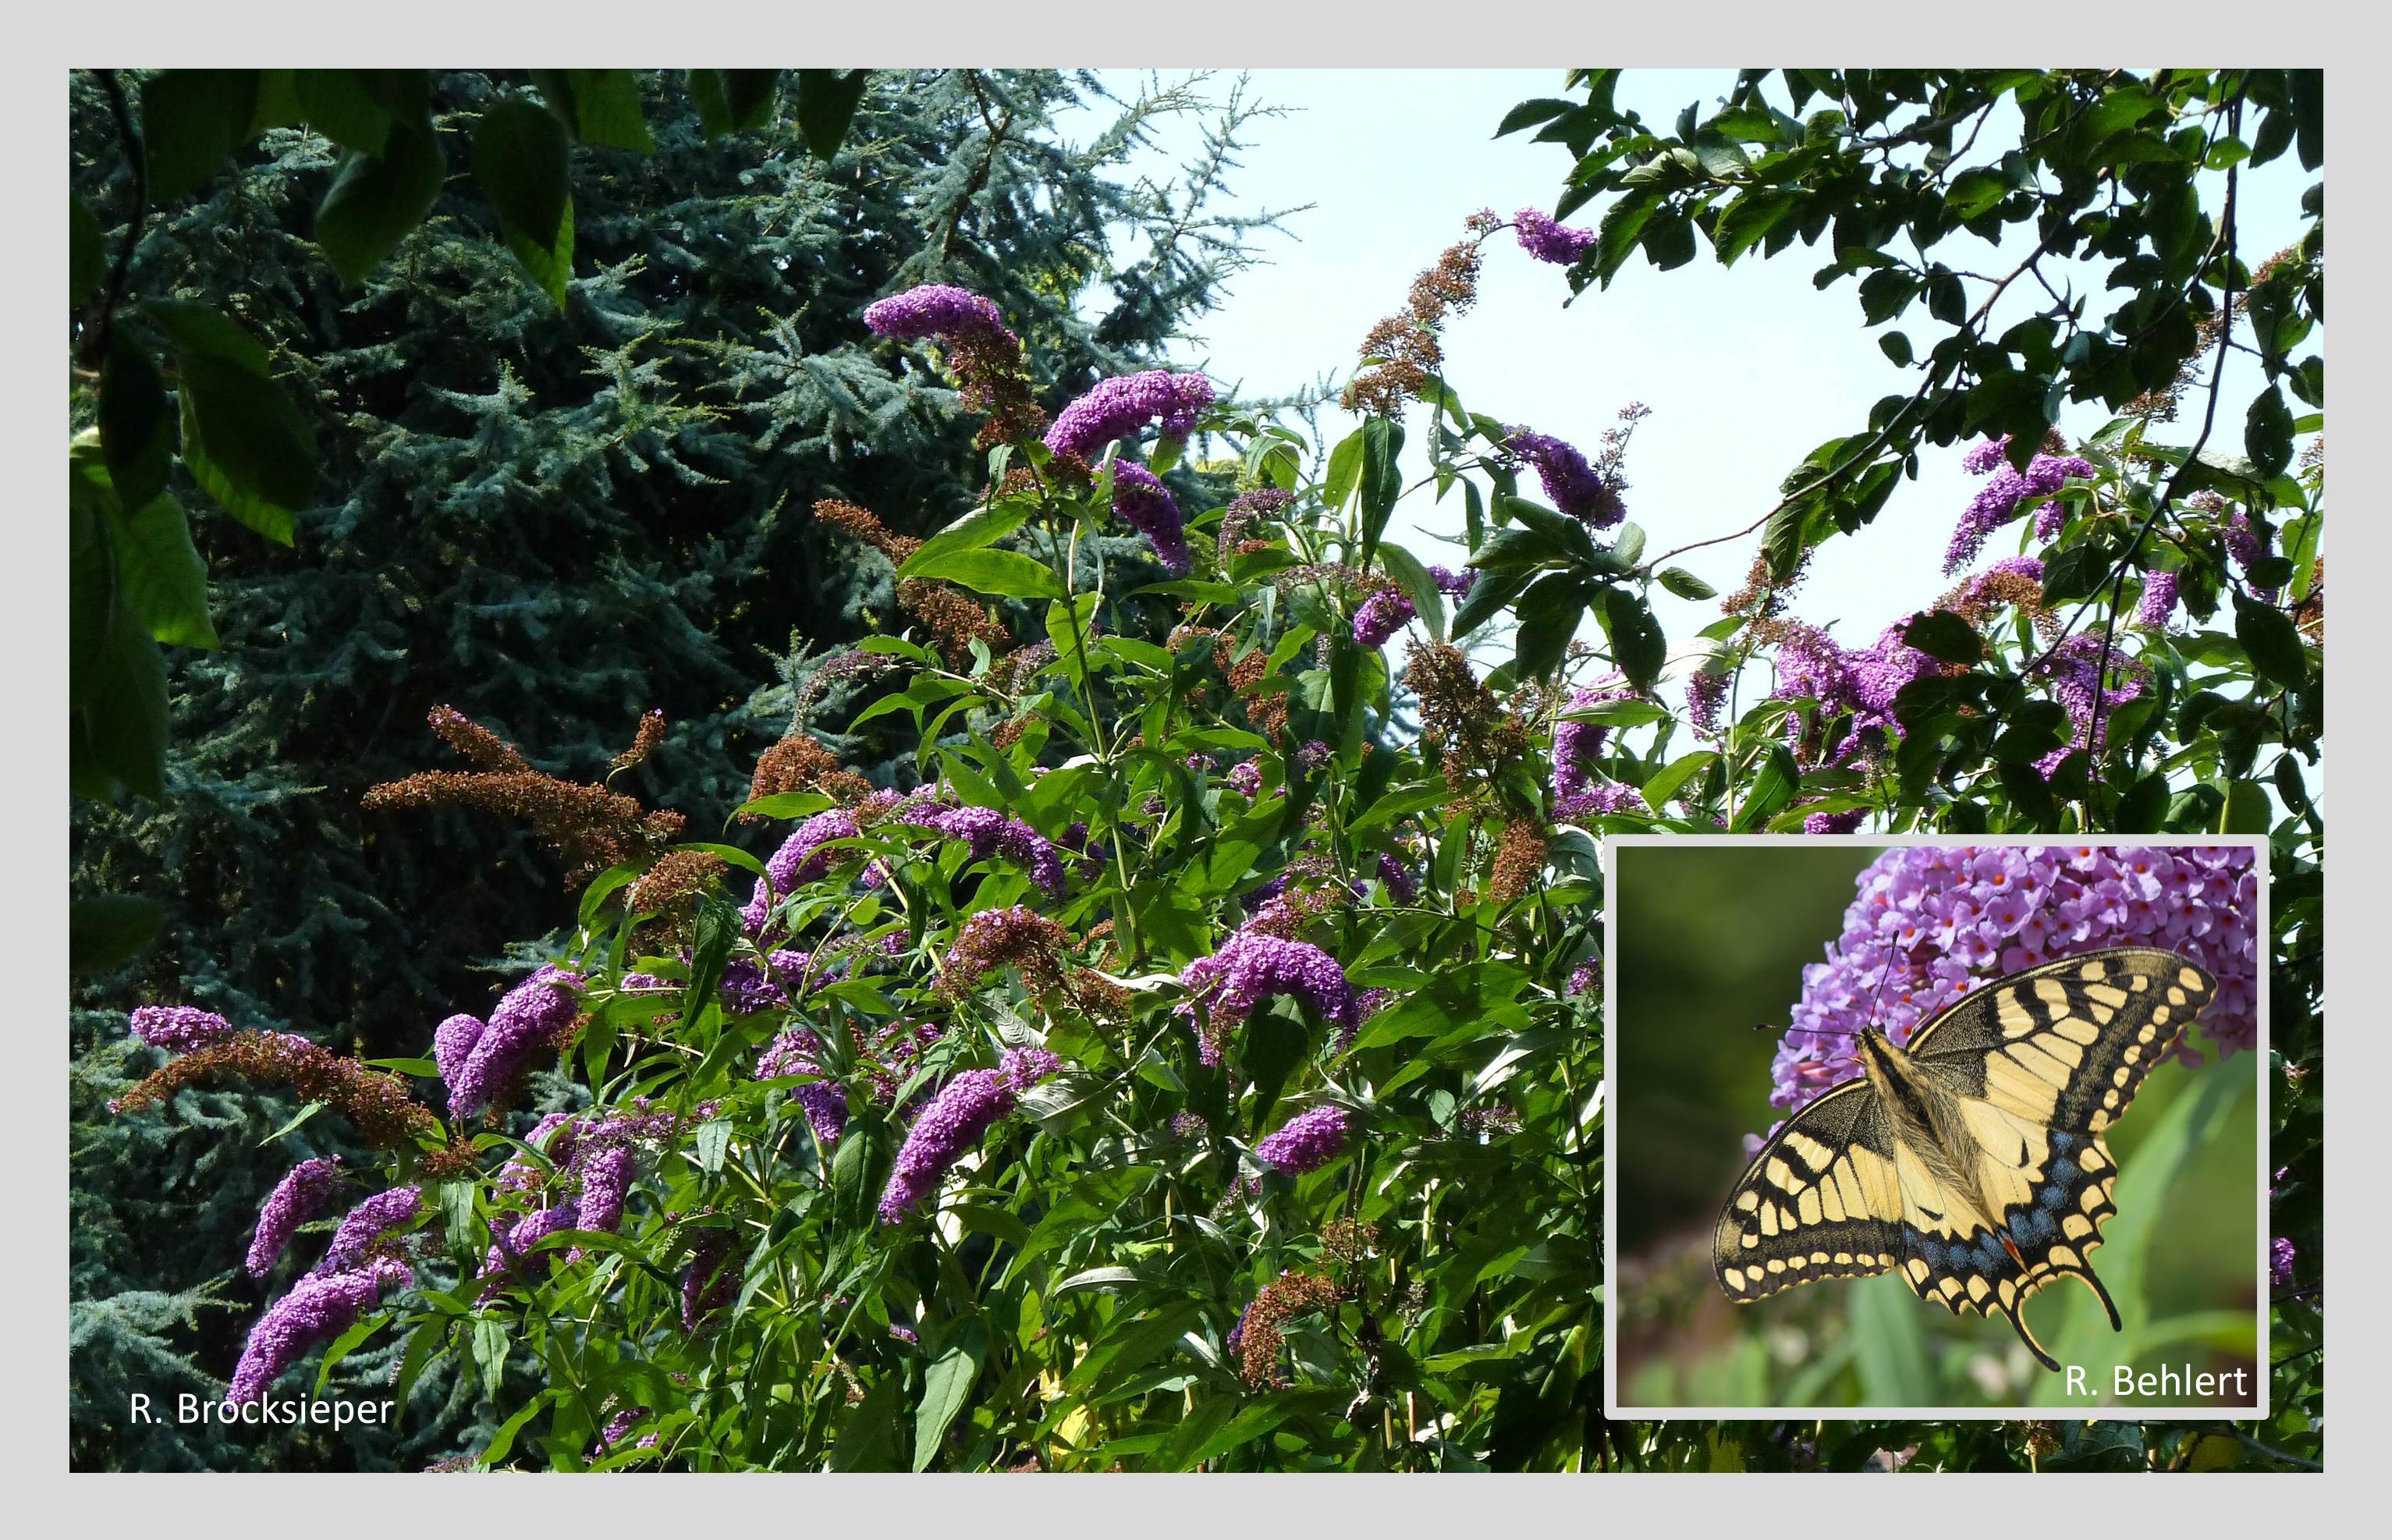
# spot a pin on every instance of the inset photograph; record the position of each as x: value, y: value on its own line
x: 1950, y: 1128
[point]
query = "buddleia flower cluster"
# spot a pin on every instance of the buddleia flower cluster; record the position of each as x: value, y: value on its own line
x: 1930, y: 922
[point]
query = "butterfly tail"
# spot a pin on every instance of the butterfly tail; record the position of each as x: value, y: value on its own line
x: 2017, y: 1318
x: 2083, y: 1271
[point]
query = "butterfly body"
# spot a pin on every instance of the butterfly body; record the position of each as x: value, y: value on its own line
x: 1969, y: 1159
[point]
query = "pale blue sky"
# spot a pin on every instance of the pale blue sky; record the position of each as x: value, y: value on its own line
x: 1746, y: 368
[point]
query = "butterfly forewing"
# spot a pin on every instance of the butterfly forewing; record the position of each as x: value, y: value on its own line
x: 1819, y: 1201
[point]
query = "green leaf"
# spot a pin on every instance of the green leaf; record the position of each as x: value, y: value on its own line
x: 733, y: 101
x: 945, y: 1386
x: 981, y: 526
x: 601, y: 106
x: 118, y: 735
x: 87, y: 263
x: 1622, y: 223
x: 2274, y: 644
x: 375, y: 201
x: 1638, y: 646
x: 192, y: 121
x: 716, y: 928
x: 1549, y: 613
x: 1004, y: 573
x: 347, y: 106
x: 1487, y: 598
x: 159, y: 571
x: 1382, y: 480
x: 522, y: 158
x: 1974, y: 191
x: 869, y: 1440
x: 244, y: 440
x: 296, y: 1119
x: 826, y: 104
x: 1944, y: 635
x: 1345, y: 471
x: 107, y: 932
x: 1686, y: 584
x: 137, y: 426
x: 1666, y: 783
x: 1529, y: 113
x: 1895, y: 346
x: 2267, y: 433
x: 490, y: 1352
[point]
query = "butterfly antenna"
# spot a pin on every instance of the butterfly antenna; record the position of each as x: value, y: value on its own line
x: 1883, y: 973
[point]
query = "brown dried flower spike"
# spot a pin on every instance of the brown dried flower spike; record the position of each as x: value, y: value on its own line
x: 591, y: 827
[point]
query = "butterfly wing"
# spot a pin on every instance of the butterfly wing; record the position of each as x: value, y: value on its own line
x: 2036, y: 1066
x: 1820, y: 1200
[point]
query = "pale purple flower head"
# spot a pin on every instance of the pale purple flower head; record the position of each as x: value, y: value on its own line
x: 1141, y: 502
x: 1381, y: 616
x: 1834, y: 823
x: 1548, y: 240
x: 1586, y: 975
x: 797, y: 1052
x: 990, y: 834
x: 512, y: 1251
x: 1024, y: 1068
x: 1245, y: 777
x: 952, y: 1123
x: 522, y: 1174
x: 1705, y: 693
x: 452, y: 1043
x: 2072, y: 671
x: 2281, y: 1257
x: 936, y: 310
x: 179, y: 1028
x: 1251, y: 967
x: 298, y: 1198
x: 1452, y: 584
x: 1571, y: 485
x: 1401, y: 885
x: 317, y: 1310
x: 2158, y: 604
x: 527, y: 1021
x: 1999, y: 501
x: 1944, y: 919
x: 367, y: 1223
x: 1122, y: 407
x: 1306, y: 1142
x: 2247, y: 543
x: 1577, y: 745
x: 801, y: 860
x: 605, y: 1187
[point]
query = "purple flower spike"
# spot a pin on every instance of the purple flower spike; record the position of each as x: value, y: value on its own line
x: 1307, y: 1142
x: 1251, y: 967
x: 2159, y: 601
x: 1573, y: 486
x: 317, y: 1310
x: 298, y: 1199
x: 1999, y: 501
x: 962, y: 1111
x: 179, y: 1028
x: 1121, y: 407
x: 801, y: 860
x: 1141, y: 502
x: 1547, y: 240
x: 528, y: 1019
x: 990, y: 833
x: 1381, y: 616
x: 936, y: 310
x: 367, y: 1223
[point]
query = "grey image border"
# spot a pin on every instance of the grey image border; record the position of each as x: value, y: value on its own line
x: 1611, y: 1403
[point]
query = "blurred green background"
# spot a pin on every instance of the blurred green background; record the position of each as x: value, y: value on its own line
x: 1711, y: 940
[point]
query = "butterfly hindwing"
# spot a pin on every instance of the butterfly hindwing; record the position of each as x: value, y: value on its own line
x: 1819, y: 1200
